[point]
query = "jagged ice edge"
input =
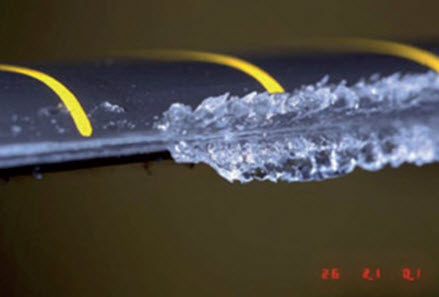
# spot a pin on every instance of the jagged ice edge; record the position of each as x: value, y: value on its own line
x: 316, y: 132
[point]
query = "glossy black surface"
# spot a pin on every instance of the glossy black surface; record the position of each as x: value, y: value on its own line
x: 144, y: 90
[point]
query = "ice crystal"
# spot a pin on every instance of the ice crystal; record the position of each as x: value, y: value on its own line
x: 316, y: 132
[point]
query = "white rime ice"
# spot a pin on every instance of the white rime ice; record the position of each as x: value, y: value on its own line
x: 315, y: 132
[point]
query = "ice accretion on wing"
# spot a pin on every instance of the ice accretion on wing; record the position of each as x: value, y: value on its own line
x: 318, y: 131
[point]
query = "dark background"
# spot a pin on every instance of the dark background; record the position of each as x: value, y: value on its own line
x: 47, y: 29
x: 170, y: 230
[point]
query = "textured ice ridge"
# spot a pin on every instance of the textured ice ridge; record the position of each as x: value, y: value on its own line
x: 315, y: 132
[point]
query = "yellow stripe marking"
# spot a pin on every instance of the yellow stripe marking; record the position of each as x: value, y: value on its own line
x: 70, y: 101
x: 268, y: 82
x: 390, y: 48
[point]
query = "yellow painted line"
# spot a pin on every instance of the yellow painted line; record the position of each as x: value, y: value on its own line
x: 67, y: 97
x: 401, y: 50
x: 265, y: 79
x: 375, y: 46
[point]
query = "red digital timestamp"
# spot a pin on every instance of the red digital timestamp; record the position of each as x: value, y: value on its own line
x: 409, y: 274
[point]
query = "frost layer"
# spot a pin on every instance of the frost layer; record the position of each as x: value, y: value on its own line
x: 316, y: 132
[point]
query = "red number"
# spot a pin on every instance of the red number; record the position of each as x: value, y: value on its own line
x: 366, y: 274
x: 370, y: 275
x: 335, y: 274
x: 409, y: 275
x: 330, y: 273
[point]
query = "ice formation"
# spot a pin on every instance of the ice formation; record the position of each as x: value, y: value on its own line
x: 107, y: 106
x: 315, y: 132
